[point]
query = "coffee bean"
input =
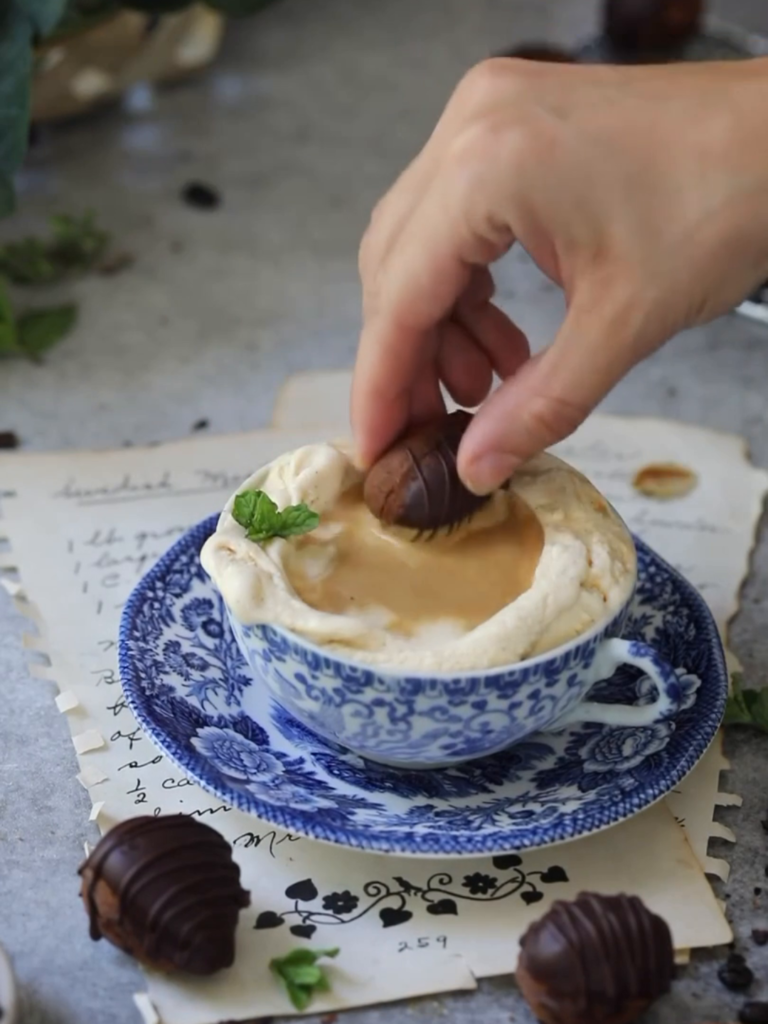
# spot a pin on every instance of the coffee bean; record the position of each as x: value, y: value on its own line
x: 735, y: 974
x: 760, y: 936
x: 754, y: 1013
x: 203, y: 196
x: 8, y: 439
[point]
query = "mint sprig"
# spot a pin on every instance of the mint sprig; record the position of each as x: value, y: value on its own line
x: 31, y: 334
x: 746, y: 707
x: 299, y: 972
x: 262, y: 520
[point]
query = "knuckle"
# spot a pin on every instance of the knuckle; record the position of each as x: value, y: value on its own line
x: 484, y: 82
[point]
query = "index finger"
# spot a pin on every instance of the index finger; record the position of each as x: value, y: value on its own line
x: 416, y: 288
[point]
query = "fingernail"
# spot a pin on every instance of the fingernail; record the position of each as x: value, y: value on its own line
x: 489, y: 472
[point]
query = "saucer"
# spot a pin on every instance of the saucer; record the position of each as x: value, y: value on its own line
x: 190, y: 689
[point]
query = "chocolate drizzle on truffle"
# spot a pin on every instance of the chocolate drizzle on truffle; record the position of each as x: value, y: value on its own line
x: 167, y: 891
x: 416, y: 483
x: 598, y: 959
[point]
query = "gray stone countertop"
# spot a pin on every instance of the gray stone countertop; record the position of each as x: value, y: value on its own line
x: 310, y: 112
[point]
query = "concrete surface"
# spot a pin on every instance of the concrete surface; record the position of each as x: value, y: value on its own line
x: 309, y: 114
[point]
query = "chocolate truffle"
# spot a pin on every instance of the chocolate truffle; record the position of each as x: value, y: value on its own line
x: 596, y: 960
x: 545, y: 53
x: 167, y: 891
x: 647, y: 28
x: 416, y: 483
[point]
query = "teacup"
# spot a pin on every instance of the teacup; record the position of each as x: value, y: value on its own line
x: 415, y: 721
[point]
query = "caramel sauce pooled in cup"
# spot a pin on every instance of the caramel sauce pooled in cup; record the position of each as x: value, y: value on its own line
x: 353, y: 563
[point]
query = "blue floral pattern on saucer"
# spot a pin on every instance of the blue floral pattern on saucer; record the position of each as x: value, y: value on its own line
x: 190, y: 689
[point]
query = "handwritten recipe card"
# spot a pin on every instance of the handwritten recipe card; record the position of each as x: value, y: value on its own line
x: 117, y: 512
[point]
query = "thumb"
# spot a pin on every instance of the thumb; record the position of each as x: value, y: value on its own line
x: 550, y: 396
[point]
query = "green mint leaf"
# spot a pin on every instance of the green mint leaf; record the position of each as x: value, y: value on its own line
x: 9, y: 345
x: 323, y: 985
x: 27, y: 262
x: 262, y: 520
x: 298, y: 519
x: 76, y: 245
x: 300, y: 975
x: 9, y: 340
x: 300, y: 997
x: 305, y: 975
x: 40, y: 329
x: 746, y: 707
x: 300, y: 955
x: 16, y: 30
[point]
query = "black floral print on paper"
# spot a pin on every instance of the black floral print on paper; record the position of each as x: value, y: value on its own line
x: 396, y: 901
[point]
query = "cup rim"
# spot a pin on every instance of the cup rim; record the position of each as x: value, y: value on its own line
x: 407, y: 673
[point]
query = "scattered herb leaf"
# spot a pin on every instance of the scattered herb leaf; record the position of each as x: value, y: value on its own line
x: 746, y: 707
x: 40, y: 329
x: 75, y: 246
x: 262, y: 520
x: 300, y: 974
x: 9, y: 342
x: 33, y: 333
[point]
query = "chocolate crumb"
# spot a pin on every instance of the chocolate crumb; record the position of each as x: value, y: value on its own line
x: 9, y: 439
x: 754, y: 1013
x: 201, y: 196
x: 758, y: 891
x: 760, y: 936
x: 202, y: 424
x: 735, y: 974
x: 764, y: 826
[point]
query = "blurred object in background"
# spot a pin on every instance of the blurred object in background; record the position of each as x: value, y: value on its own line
x: 546, y: 52
x: 63, y: 58
x: 79, y: 69
x: 646, y: 29
x: 661, y: 31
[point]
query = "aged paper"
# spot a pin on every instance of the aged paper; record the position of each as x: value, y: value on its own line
x: 110, y: 515
x: 708, y: 535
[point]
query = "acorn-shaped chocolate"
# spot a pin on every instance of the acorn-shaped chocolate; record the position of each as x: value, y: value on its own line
x: 167, y: 891
x: 595, y: 960
x: 640, y: 29
x: 416, y: 483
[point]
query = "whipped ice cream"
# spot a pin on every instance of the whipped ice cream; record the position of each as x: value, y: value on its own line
x: 546, y: 560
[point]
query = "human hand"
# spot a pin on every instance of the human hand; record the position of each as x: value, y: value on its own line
x: 641, y: 191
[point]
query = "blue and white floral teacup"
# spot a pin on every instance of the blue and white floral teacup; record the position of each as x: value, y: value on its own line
x: 432, y: 721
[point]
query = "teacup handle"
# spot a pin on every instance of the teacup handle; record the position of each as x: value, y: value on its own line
x: 610, y: 656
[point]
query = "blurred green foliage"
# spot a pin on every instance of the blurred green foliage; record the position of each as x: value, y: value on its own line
x: 23, y: 23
